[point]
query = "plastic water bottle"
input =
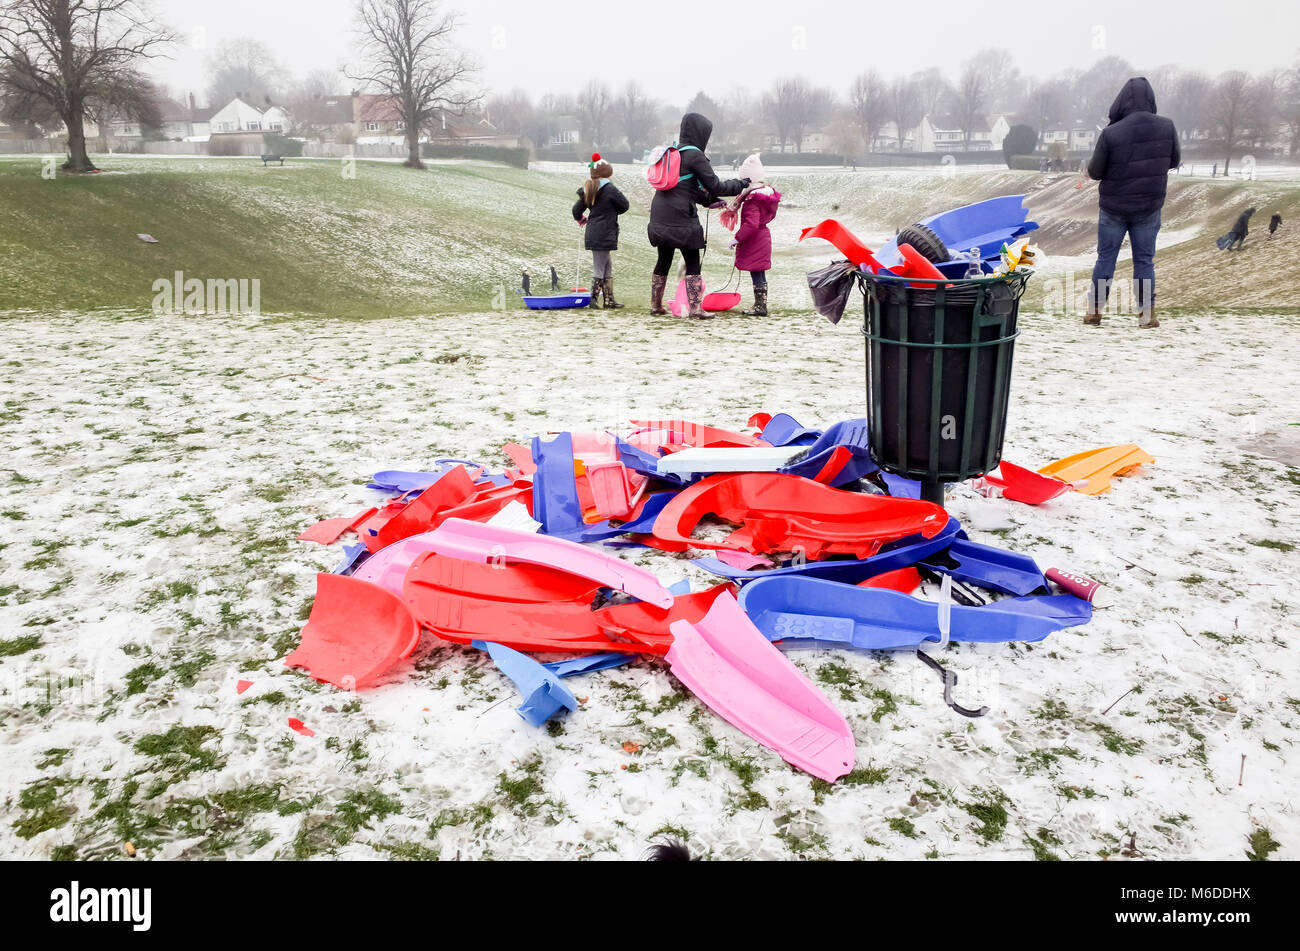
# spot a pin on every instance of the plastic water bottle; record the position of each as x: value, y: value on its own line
x: 974, y: 268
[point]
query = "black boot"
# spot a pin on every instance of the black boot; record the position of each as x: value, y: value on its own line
x: 610, y: 303
x: 596, y: 284
x: 760, y: 303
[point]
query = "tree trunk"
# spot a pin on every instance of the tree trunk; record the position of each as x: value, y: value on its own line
x: 78, y: 160
x: 413, y: 145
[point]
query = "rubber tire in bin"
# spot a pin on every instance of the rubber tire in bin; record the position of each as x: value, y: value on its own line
x: 939, y: 359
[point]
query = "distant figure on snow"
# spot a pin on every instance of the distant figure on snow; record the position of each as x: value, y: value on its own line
x: 555, y: 279
x: 1132, y: 161
x: 597, y: 209
x: 526, y: 283
x: 1274, y: 223
x: 750, y: 213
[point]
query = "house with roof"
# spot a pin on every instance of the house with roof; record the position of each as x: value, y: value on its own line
x: 568, y: 131
x: 237, y: 116
x: 1078, y: 136
x: 944, y: 134
x: 378, y: 119
x: 818, y: 140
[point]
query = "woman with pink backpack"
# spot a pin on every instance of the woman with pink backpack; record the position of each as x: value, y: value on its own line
x: 674, y: 224
x: 749, y: 213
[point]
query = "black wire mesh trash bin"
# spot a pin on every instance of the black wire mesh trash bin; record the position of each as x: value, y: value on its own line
x: 939, y: 374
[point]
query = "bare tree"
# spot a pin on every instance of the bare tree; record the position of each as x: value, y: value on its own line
x: 636, y: 116
x: 869, y: 101
x: 594, y: 104
x: 1001, y: 77
x: 72, y: 54
x: 932, y: 88
x: 971, y: 99
x: 794, y: 107
x: 1268, y: 92
x: 1188, y: 101
x: 512, y: 113
x: 1046, y: 103
x: 1096, y: 89
x: 244, y: 68
x: 1290, y: 111
x: 409, y: 55
x: 905, y: 108
x: 1231, y: 111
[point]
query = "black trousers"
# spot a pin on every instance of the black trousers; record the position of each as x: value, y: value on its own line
x: 665, y: 263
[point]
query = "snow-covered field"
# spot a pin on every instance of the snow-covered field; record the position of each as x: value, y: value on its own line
x: 157, y: 470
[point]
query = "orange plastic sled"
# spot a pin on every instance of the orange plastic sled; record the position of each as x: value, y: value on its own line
x: 1096, y: 467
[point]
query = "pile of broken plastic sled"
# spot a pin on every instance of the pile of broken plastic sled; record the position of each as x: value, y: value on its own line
x: 813, y: 545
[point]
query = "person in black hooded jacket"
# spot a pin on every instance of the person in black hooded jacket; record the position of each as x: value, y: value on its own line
x: 597, y: 209
x: 1132, y: 160
x: 674, y: 225
x: 1241, y: 229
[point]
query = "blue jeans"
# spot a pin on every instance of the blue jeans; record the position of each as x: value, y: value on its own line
x: 1142, y: 239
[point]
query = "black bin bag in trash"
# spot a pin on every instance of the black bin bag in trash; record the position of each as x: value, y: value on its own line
x: 830, y: 287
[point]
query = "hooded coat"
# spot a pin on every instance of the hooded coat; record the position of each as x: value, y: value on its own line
x: 1242, y: 227
x: 753, y: 240
x: 673, y: 221
x: 1134, y: 154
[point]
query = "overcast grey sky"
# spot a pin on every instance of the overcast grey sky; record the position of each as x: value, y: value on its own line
x: 557, y: 45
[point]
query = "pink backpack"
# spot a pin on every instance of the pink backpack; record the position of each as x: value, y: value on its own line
x: 665, y: 169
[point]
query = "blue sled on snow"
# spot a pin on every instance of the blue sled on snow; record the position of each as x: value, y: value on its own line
x: 810, y: 613
x: 558, y: 302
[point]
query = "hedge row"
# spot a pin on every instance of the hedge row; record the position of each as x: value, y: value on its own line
x: 488, y: 153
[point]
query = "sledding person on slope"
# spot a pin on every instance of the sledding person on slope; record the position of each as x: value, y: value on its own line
x: 1237, y: 236
x: 751, y: 212
x: 674, y: 225
x: 1274, y: 223
x: 598, y: 206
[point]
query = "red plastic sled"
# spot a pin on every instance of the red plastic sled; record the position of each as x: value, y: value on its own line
x: 1024, y: 485
x: 845, y: 241
x: 465, y: 601
x: 356, y: 633
x: 784, y: 513
x: 720, y: 301
x: 858, y: 254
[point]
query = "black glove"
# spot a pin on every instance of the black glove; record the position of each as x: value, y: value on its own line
x: 745, y: 182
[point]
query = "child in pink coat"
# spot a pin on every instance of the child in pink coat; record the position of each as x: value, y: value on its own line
x: 750, y: 213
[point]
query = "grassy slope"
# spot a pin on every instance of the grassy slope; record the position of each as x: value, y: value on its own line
x: 388, y: 242
x: 453, y: 239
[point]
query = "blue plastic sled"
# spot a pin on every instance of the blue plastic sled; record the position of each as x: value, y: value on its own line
x: 900, y: 554
x: 994, y: 568
x: 986, y: 225
x: 808, y: 613
x: 558, y: 302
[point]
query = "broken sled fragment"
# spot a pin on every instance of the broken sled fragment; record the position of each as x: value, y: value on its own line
x: 726, y: 662
x: 356, y: 633
x: 544, y: 695
x: 1096, y: 467
x: 786, y: 513
x: 807, y: 613
x: 489, y: 543
x: 1023, y: 485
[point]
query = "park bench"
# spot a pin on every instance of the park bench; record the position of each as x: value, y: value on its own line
x: 271, y: 158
